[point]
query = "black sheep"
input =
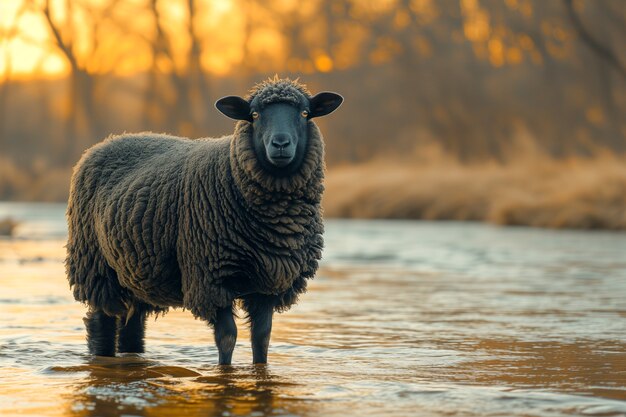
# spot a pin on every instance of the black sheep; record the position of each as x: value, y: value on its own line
x: 157, y: 221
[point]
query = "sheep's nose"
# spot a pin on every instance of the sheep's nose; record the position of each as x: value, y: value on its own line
x: 281, y: 140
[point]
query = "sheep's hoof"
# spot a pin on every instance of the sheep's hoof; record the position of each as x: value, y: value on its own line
x: 225, y: 359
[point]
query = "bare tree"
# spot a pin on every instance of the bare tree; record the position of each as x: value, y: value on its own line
x: 82, y: 122
x: 602, y: 51
x: 181, y: 105
x: 7, y: 35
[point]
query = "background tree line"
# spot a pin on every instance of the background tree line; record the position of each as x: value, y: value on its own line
x: 477, y: 78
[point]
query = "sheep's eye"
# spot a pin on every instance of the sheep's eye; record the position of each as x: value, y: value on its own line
x: 304, y: 113
x: 255, y: 115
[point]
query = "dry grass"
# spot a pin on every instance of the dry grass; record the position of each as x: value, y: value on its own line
x: 37, y: 183
x: 575, y: 193
x: 531, y: 190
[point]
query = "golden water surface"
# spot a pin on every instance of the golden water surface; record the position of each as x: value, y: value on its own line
x: 403, y: 319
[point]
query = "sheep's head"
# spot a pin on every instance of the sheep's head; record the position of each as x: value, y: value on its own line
x: 279, y: 111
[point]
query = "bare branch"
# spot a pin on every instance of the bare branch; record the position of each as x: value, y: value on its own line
x: 65, y: 47
x: 602, y: 51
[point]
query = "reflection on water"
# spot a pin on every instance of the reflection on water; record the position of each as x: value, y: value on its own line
x: 404, y: 318
x: 135, y: 386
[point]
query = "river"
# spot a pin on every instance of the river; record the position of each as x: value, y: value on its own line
x: 403, y: 319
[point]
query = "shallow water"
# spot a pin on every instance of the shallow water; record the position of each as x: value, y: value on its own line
x: 404, y: 318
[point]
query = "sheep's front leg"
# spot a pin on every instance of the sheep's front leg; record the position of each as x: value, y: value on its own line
x: 101, y: 330
x: 261, y: 330
x: 225, y: 335
x: 131, y: 333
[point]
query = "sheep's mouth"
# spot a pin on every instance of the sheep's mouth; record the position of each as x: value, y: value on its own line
x: 280, y: 160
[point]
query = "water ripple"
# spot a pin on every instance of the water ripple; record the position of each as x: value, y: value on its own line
x: 404, y: 318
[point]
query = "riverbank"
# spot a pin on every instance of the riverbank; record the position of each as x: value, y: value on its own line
x: 576, y: 193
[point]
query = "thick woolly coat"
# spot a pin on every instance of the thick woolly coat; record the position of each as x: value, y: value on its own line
x: 158, y: 221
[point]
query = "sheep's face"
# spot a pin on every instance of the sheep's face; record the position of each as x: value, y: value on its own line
x: 280, y: 134
x: 280, y: 129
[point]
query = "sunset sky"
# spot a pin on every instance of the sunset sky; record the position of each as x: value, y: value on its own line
x: 124, y: 35
x: 119, y: 39
x: 24, y: 55
x: 27, y: 48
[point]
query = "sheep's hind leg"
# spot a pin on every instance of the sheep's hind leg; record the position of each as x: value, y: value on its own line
x: 260, y: 313
x: 225, y: 335
x: 101, y: 330
x: 131, y: 332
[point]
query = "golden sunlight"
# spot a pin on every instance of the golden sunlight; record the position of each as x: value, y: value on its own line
x: 120, y: 38
x: 23, y: 40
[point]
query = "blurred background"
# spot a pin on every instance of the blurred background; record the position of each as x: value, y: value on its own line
x: 509, y: 111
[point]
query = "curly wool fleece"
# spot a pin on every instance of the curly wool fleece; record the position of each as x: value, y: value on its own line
x: 277, y: 90
x: 158, y: 221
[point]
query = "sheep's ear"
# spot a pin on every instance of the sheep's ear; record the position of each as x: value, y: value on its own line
x: 324, y: 103
x: 234, y: 107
